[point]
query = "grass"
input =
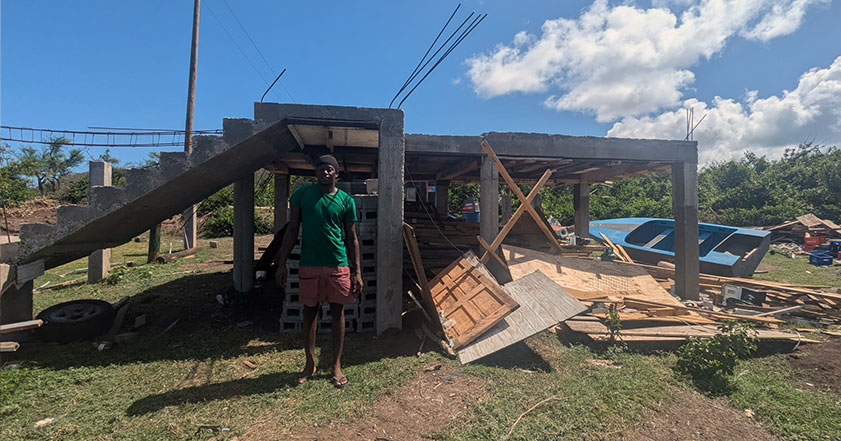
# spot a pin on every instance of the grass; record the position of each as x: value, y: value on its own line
x: 591, y: 398
x: 166, y: 384
x: 799, y: 271
x: 768, y: 386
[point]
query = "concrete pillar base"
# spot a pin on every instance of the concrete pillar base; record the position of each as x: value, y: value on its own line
x: 99, y: 264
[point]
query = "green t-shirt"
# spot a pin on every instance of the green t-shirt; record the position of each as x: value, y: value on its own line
x: 322, y: 220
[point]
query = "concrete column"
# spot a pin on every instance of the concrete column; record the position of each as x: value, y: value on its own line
x: 442, y: 193
x: 281, y: 201
x: 390, y: 164
x: 581, y: 205
x: 99, y: 262
x: 244, y: 233
x: 488, y: 200
x: 16, y: 304
x: 506, y: 208
x: 537, y: 202
x: 685, y: 209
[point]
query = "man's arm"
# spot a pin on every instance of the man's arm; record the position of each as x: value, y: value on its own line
x: 352, y: 243
x: 288, y: 243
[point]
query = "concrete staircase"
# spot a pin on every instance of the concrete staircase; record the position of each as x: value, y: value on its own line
x: 114, y: 215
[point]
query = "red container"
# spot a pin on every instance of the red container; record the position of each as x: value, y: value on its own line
x: 812, y: 242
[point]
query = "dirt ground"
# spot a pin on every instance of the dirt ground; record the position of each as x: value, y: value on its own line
x: 38, y: 210
x: 694, y: 417
x: 818, y: 365
x: 413, y: 412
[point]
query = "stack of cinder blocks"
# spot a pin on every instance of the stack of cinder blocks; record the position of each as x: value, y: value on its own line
x: 360, y: 316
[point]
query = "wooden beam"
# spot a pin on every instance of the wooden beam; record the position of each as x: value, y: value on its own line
x: 517, y: 192
x: 520, y: 210
x: 487, y: 248
x: 9, y: 346
x: 20, y: 326
x: 296, y: 135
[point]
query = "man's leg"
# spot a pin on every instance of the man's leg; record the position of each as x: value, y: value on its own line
x: 310, y: 328
x: 337, y: 313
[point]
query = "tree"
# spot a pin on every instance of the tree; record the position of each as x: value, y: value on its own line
x: 50, y: 164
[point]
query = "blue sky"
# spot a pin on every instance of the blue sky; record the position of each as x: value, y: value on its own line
x: 572, y: 67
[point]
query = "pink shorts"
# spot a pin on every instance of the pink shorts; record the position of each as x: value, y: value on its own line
x: 324, y: 284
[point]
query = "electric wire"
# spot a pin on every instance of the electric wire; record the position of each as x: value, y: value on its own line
x: 452, y: 47
x: 414, y: 72
x: 257, y: 49
x: 453, y: 34
x: 247, y: 58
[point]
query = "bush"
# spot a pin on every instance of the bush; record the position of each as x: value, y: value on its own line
x: 709, y: 363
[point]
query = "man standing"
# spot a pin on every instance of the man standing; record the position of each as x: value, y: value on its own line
x: 325, y: 212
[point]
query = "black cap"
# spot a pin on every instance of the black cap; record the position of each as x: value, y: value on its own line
x: 329, y: 160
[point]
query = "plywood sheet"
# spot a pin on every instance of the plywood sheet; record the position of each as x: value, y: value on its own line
x: 469, y: 299
x: 583, y: 276
x: 543, y: 304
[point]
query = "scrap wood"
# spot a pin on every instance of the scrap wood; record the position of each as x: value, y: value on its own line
x: 593, y: 328
x: 488, y: 250
x: 779, y: 311
x: 9, y: 346
x: 619, y: 251
x: 517, y: 192
x: 122, y: 308
x: 166, y: 258
x: 762, y: 320
x: 20, y: 326
x: 414, y: 254
x: 585, y: 278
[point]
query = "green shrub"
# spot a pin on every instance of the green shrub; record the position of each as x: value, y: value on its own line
x: 709, y: 363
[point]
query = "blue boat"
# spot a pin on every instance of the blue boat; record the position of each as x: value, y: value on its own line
x: 723, y: 250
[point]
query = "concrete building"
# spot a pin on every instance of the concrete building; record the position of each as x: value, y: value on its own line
x: 369, y: 143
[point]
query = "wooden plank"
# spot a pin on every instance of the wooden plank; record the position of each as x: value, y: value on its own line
x: 624, y: 253
x: 619, y: 253
x: 520, y: 210
x: 469, y: 299
x: 20, y: 326
x: 517, y: 192
x: 414, y: 255
x: 543, y: 304
x: 586, y: 275
x: 749, y: 318
x: 592, y: 327
x: 9, y: 346
x: 487, y: 248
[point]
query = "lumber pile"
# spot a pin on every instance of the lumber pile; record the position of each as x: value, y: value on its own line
x: 816, y: 305
x: 803, y: 226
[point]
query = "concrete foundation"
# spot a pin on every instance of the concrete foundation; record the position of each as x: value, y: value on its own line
x: 99, y: 262
x: 244, y: 233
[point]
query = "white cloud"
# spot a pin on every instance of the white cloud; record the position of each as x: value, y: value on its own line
x: 810, y: 112
x: 619, y: 61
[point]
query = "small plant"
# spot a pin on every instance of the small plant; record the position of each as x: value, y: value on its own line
x: 709, y: 363
x: 116, y: 275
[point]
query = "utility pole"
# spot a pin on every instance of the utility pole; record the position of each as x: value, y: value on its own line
x: 189, y: 214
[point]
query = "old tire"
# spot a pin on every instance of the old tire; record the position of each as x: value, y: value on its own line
x: 75, y: 320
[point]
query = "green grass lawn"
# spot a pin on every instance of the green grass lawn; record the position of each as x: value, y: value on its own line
x: 167, y: 383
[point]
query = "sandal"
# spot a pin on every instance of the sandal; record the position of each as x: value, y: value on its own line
x: 340, y: 383
x: 304, y: 378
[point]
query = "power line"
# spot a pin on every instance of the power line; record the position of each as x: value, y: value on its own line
x: 237, y: 46
x: 256, y: 48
